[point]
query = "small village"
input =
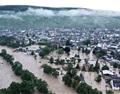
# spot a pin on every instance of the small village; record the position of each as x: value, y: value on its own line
x: 74, y: 57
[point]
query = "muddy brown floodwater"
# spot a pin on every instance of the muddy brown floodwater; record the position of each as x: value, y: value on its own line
x: 28, y: 62
x: 56, y: 85
x: 6, y: 74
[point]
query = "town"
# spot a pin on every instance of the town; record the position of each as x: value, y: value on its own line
x: 72, y: 55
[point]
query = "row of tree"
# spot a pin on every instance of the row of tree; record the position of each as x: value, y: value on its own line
x: 81, y: 88
x: 29, y: 81
x: 49, y: 70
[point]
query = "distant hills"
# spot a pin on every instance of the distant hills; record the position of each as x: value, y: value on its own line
x: 21, y: 17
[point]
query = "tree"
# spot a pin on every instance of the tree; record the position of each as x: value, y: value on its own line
x: 77, y: 78
x: 79, y: 60
x: 115, y: 65
x: 68, y: 42
x: 77, y: 67
x: 70, y: 67
x: 60, y: 51
x: 91, y: 68
x: 47, y: 69
x: 67, y: 80
x: 46, y: 50
x: 98, y: 78
x: 51, y: 60
x: 74, y: 84
x: 73, y: 72
x: 55, y: 73
x: 5, y: 91
x: 28, y: 76
x: 99, y: 53
x: 105, y: 67
x: 83, y: 68
x: 67, y: 49
x: 27, y: 87
x: 86, y: 60
x: 86, y: 42
x: 42, y: 86
x: 42, y: 54
x: 32, y: 53
x: 97, y: 67
x: 3, y: 52
x: 17, y: 68
x: 109, y: 92
x: 14, y: 88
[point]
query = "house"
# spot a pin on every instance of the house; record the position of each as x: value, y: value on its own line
x: 107, y: 72
x: 115, y: 83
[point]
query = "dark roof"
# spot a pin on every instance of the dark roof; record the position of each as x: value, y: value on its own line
x: 116, y: 78
x: 116, y: 83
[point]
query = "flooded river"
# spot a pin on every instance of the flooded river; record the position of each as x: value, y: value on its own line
x: 28, y: 62
x: 56, y: 85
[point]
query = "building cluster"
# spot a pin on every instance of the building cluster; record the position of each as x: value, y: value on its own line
x: 102, y: 38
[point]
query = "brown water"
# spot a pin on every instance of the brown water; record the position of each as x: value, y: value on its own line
x: 28, y: 62
x: 56, y: 85
x: 6, y: 74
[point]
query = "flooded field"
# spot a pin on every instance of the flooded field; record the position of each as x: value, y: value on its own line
x: 56, y: 85
x: 6, y: 74
x: 28, y: 62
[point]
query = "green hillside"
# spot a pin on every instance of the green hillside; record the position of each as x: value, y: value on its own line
x: 31, y: 18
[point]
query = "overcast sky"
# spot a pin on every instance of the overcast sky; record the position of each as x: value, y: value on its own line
x: 93, y: 4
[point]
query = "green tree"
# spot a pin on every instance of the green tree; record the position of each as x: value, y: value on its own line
x: 5, y: 91
x: 115, y: 65
x: 97, y: 67
x: 86, y: 42
x: 105, y: 67
x: 68, y: 42
x: 42, y: 54
x: 3, y: 52
x: 46, y: 50
x: 51, y: 60
x: 77, y: 78
x: 79, y: 60
x: 47, y: 69
x: 17, y: 68
x: 55, y: 73
x: 73, y: 72
x: 98, y: 78
x: 67, y: 80
x: 14, y: 88
x: 27, y: 87
x: 60, y: 51
x: 70, y: 66
x: 74, y: 84
x: 109, y: 92
x: 32, y: 53
x: 77, y: 67
x: 28, y: 76
x: 83, y: 68
x: 42, y: 86
x: 91, y: 68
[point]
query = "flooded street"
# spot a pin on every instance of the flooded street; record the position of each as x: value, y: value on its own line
x: 55, y: 84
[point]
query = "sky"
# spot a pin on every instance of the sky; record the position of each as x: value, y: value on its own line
x: 113, y: 5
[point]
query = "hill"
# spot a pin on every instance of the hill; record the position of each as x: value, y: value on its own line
x: 21, y: 17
